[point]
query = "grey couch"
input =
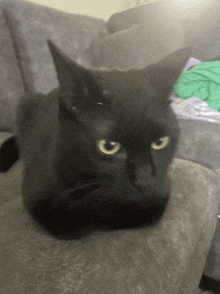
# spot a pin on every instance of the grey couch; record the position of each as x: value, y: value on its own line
x: 166, y: 258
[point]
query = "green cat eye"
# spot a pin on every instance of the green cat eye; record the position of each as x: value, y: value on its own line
x: 108, y: 147
x: 160, y: 143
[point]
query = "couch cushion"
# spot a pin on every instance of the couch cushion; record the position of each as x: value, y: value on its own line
x: 138, y: 37
x: 195, y: 23
x: 136, y: 47
x: 158, y: 12
x: 11, y: 85
x: 166, y: 258
x: 32, y: 24
x: 200, y: 142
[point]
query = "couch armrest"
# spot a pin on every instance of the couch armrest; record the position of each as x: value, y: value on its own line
x: 11, y: 84
x: 166, y: 258
x: 31, y: 26
x: 199, y: 142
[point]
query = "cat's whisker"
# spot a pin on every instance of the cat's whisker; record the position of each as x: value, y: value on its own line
x: 81, y: 190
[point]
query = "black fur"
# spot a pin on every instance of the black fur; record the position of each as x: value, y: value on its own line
x: 71, y: 188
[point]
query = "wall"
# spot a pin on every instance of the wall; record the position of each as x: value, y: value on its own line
x: 96, y: 8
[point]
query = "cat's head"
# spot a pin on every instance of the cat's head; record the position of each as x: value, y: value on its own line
x: 117, y: 138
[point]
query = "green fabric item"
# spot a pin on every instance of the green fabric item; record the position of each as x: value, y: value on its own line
x: 202, y: 81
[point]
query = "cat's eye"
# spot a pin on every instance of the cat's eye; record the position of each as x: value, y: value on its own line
x: 108, y: 147
x: 160, y: 143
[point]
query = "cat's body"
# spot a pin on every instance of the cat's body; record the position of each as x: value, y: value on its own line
x: 96, y: 150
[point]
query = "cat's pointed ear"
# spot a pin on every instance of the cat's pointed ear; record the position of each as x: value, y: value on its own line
x: 76, y: 82
x: 66, y: 72
x: 167, y: 71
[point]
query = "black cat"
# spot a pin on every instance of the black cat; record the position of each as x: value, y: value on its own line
x: 97, y: 149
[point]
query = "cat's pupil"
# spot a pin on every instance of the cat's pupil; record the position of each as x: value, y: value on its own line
x: 109, y: 145
x: 159, y: 141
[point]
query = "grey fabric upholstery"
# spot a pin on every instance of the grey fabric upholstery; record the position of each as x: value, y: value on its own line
x: 188, y: 23
x: 166, y: 258
x: 32, y: 25
x: 11, y: 84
